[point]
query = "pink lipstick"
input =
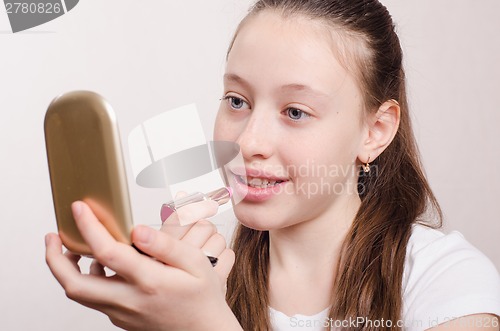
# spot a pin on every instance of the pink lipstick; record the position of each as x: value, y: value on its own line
x: 221, y: 196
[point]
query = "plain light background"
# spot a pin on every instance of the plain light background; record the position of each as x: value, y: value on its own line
x: 147, y: 57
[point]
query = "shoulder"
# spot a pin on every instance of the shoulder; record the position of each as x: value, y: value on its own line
x: 427, y: 245
x: 446, y: 277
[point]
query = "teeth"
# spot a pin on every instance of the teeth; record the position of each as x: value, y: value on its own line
x: 259, y: 182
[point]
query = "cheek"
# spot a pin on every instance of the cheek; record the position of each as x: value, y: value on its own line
x: 223, y: 130
x: 335, y: 149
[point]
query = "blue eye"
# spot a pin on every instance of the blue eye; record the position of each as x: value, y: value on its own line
x: 235, y: 102
x: 296, y: 114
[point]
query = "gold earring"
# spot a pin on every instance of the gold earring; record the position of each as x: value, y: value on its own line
x: 366, y: 166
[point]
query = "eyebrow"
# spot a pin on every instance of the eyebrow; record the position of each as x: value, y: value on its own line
x: 237, y: 79
x: 294, y: 87
x: 302, y: 88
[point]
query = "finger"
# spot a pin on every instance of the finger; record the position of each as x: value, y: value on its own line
x: 225, y: 264
x: 195, y: 211
x: 167, y: 210
x: 199, y: 233
x: 59, y: 264
x: 215, y: 245
x: 190, y: 213
x: 119, y: 257
x: 78, y: 287
x: 172, y: 227
x: 74, y: 259
x: 170, y: 251
x: 97, y: 269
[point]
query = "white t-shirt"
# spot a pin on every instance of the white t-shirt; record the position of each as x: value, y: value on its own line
x: 444, y: 277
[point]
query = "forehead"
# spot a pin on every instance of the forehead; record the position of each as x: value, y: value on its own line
x: 295, y: 50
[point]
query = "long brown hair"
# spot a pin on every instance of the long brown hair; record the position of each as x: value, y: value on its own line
x: 368, y: 282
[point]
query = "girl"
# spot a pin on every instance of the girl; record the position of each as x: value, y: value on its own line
x: 336, y: 227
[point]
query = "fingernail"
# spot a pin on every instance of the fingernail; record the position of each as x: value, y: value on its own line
x: 215, y: 205
x: 143, y: 234
x: 47, y: 240
x: 76, y: 208
x: 185, y: 215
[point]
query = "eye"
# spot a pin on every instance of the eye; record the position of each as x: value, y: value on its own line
x: 235, y: 102
x: 296, y: 114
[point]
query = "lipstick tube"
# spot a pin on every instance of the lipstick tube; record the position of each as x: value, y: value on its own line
x: 221, y: 196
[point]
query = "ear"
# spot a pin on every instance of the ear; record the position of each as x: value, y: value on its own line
x: 381, y: 130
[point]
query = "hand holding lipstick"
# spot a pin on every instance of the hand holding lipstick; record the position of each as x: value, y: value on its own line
x: 184, y: 201
x: 183, y: 292
x: 190, y: 211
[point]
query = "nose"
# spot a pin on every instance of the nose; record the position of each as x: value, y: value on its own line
x: 257, y: 138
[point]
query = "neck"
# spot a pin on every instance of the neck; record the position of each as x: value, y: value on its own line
x: 310, y: 246
x: 303, y: 259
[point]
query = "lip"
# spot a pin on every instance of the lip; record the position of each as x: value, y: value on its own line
x: 254, y: 194
x: 249, y: 172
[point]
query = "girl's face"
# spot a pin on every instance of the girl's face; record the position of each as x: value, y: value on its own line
x: 296, y: 113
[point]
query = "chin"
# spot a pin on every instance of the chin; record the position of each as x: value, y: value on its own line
x: 249, y: 218
x: 259, y: 224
